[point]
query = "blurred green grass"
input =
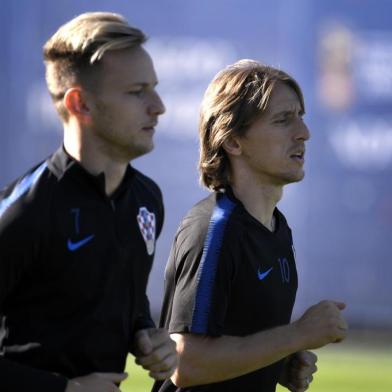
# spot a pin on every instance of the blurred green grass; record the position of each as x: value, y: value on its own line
x: 138, y: 379
x: 341, y: 369
x: 352, y: 370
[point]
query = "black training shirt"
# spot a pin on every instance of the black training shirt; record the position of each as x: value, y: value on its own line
x: 229, y: 275
x: 74, y: 266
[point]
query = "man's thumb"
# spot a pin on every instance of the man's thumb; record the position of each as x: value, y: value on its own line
x: 113, y: 377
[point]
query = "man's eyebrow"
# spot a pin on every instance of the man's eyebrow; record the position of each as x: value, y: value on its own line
x: 286, y: 112
x: 143, y: 84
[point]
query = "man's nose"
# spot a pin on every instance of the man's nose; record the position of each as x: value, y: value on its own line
x: 156, y: 106
x: 303, y: 132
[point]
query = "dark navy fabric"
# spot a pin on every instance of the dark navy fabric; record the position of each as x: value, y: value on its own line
x: 21, y: 188
x: 74, y: 266
x: 208, y: 264
x: 227, y: 274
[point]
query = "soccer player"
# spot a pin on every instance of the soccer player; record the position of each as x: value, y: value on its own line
x: 78, y: 231
x: 231, y: 278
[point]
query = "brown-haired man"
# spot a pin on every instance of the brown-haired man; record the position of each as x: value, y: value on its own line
x: 78, y: 231
x: 231, y: 278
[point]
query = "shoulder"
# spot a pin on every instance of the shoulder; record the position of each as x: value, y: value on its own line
x: 195, y: 223
x: 24, y: 206
x: 145, y: 185
x: 26, y: 192
x: 213, y: 219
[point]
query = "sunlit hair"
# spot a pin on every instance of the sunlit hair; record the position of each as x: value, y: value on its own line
x: 234, y: 99
x: 72, y: 55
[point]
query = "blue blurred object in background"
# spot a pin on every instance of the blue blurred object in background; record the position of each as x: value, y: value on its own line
x: 340, y: 51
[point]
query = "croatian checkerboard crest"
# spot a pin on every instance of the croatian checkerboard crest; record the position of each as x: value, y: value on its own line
x: 146, y: 221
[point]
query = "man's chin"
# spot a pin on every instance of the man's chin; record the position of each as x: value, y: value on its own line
x: 294, y: 178
x: 140, y: 151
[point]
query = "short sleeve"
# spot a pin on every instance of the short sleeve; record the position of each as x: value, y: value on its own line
x: 202, y: 265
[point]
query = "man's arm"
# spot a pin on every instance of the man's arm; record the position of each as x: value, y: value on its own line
x: 16, y: 245
x: 16, y: 378
x: 18, y: 238
x: 204, y: 360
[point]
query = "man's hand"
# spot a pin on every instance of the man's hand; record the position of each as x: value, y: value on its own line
x: 96, y: 382
x: 322, y: 324
x: 156, y: 352
x: 298, y: 371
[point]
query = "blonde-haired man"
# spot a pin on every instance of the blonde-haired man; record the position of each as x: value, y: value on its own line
x: 78, y: 231
x: 231, y: 278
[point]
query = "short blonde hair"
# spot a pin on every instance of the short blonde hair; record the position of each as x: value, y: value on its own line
x: 72, y: 55
x: 234, y: 99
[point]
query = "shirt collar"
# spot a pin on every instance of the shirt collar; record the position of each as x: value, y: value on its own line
x: 63, y: 165
x: 245, y: 214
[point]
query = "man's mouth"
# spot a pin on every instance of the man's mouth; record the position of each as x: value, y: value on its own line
x: 299, y: 156
x: 150, y: 127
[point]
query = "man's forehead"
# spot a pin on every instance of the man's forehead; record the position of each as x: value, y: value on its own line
x: 292, y: 105
x: 131, y: 66
x: 133, y: 54
x: 283, y: 98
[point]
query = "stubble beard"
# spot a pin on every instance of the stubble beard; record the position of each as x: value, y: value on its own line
x: 115, y: 144
x: 123, y: 150
x: 291, y: 179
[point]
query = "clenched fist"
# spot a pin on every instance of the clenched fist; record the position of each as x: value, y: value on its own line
x: 156, y: 352
x: 322, y: 324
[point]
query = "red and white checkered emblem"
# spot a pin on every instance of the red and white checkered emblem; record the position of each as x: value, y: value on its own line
x: 146, y: 221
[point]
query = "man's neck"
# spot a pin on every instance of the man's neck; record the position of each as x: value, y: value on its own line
x: 95, y: 161
x: 258, y: 198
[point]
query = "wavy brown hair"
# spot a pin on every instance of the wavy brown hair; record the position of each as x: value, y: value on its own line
x: 234, y: 99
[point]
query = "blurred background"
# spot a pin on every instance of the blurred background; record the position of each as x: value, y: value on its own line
x: 340, y: 51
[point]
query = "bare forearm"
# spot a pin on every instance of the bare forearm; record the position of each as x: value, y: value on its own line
x: 204, y: 360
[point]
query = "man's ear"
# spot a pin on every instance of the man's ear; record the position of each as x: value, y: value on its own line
x: 232, y: 146
x: 75, y: 103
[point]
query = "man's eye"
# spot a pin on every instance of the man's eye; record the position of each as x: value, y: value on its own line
x: 281, y: 120
x: 136, y: 93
